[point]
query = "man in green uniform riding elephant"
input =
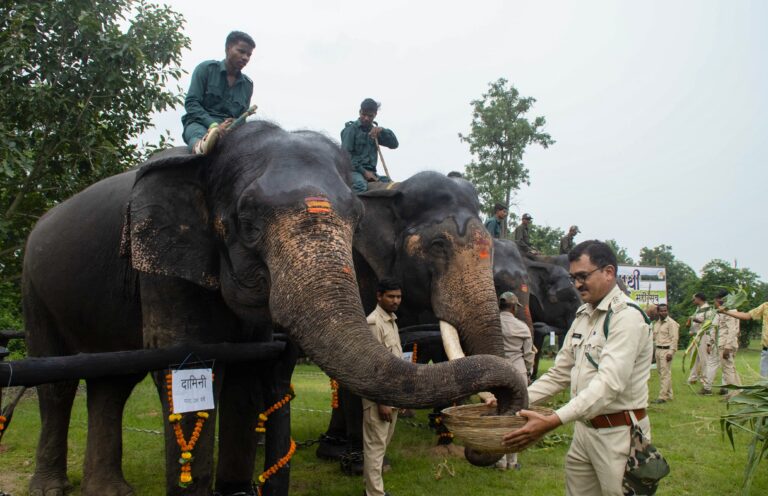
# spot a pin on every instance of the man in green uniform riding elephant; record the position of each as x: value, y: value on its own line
x: 361, y: 139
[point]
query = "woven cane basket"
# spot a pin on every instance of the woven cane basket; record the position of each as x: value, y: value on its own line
x: 481, y: 429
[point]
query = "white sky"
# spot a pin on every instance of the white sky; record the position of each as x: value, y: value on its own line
x: 658, y: 108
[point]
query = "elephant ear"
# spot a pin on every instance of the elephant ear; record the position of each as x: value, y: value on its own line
x: 376, y: 236
x: 167, y: 229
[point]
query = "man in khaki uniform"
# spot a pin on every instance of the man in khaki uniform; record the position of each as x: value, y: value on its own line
x: 728, y: 330
x: 379, y: 420
x: 760, y: 312
x: 665, y: 334
x: 703, y: 313
x: 607, y: 367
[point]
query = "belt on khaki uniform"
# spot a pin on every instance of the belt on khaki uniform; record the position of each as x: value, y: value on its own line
x: 662, y: 347
x: 616, y: 419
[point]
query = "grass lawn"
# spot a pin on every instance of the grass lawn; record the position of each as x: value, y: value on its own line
x: 686, y: 431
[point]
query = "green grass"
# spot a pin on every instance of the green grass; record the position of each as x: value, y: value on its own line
x: 686, y: 431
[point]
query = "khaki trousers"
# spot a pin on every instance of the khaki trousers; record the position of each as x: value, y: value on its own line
x: 697, y: 371
x: 665, y: 374
x: 376, y: 436
x: 595, y: 463
x: 711, y: 364
x: 730, y: 376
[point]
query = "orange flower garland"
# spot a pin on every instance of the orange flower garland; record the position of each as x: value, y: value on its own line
x: 264, y: 416
x: 334, y: 394
x: 277, y: 466
x: 186, y: 447
x: 3, y: 420
x: 414, y: 356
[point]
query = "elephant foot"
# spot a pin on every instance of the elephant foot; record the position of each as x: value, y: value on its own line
x: 49, y: 485
x: 96, y: 486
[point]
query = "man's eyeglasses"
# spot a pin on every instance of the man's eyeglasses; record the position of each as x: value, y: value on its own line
x: 582, y: 277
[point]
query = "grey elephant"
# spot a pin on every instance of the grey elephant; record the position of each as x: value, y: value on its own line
x: 426, y: 231
x: 224, y: 247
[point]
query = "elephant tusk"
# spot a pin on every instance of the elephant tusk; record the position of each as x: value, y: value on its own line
x: 452, y: 346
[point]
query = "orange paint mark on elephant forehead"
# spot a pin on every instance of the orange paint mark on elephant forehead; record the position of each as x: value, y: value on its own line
x: 318, y: 205
x: 483, y: 246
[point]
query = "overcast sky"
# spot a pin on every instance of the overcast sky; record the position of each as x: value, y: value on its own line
x: 659, y: 109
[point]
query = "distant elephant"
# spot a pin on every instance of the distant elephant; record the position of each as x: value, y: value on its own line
x: 427, y: 232
x: 554, y: 300
x: 225, y: 247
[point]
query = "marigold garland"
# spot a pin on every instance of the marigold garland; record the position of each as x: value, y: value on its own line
x: 186, y: 447
x: 414, y: 356
x: 334, y: 394
x: 277, y: 466
x: 264, y: 416
x: 3, y: 420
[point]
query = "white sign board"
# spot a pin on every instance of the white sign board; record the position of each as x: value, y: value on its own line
x: 646, y: 285
x: 192, y: 390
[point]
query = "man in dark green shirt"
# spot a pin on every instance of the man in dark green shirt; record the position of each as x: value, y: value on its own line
x: 523, y: 237
x: 566, y: 242
x: 218, y: 93
x: 493, y: 225
x: 358, y: 138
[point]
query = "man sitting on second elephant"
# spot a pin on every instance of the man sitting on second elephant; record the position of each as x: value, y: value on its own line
x: 361, y: 139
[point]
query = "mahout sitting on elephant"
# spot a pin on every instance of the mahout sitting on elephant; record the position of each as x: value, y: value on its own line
x: 228, y: 246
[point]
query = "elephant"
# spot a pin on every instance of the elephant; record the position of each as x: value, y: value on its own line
x: 553, y: 299
x: 227, y: 247
x: 425, y: 231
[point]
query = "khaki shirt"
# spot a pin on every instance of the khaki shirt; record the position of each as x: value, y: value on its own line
x: 666, y: 332
x: 703, y: 313
x: 621, y: 381
x: 761, y: 313
x: 728, y: 329
x: 518, y: 343
x: 384, y: 329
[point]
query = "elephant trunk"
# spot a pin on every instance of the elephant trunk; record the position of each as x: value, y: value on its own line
x: 470, y: 277
x: 314, y: 296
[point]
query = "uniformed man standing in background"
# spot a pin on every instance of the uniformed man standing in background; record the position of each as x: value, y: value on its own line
x: 703, y: 313
x: 359, y: 139
x: 760, y: 313
x: 665, y: 335
x: 566, y: 242
x: 379, y: 420
x: 728, y: 329
x: 606, y: 360
x: 218, y: 93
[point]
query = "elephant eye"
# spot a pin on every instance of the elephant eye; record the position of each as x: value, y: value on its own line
x: 438, y: 247
x: 249, y: 229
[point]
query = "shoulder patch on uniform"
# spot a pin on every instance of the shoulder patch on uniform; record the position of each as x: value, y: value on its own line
x: 581, y: 309
x: 371, y: 319
x: 618, y: 304
x: 247, y: 78
x: 349, y: 123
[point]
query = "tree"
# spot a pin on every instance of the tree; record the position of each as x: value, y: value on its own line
x: 78, y: 84
x: 546, y: 239
x: 621, y: 253
x: 498, y: 137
